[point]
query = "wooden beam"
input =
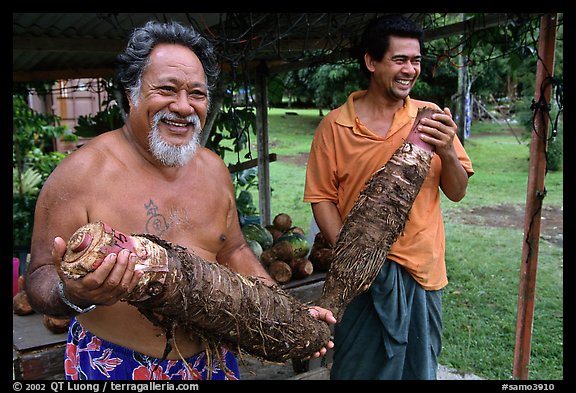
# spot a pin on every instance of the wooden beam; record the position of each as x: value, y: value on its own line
x: 277, y: 66
x: 68, y: 45
x: 233, y: 168
x: 332, y: 57
x: 534, y: 196
x: 49, y: 75
x: 264, y: 188
x: 478, y: 23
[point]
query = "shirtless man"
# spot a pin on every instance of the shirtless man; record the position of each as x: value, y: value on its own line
x: 150, y: 176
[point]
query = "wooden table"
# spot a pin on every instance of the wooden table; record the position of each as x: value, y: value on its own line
x: 308, y: 289
x: 38, y: 354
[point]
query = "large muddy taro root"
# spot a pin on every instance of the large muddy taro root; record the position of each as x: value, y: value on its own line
x: 376, y: 221
x: 179, y: 288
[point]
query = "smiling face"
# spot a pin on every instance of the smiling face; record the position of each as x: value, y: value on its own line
x: 171, y: 109
x: 395, y: 75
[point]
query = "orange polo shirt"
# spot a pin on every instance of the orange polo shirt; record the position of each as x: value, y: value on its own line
x: 343, y: 156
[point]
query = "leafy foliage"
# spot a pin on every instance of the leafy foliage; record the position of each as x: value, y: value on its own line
x: 108, y: 119
x: 243, y: 182
x: 232, y: 130
x: 234, y: 123
x: 28, y: 183
x: 32, y: 130
x: 33, y: 160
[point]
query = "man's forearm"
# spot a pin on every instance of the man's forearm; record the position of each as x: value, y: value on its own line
x: 328, y: 220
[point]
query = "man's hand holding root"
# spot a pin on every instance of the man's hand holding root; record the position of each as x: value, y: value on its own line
x: 110, y: 282
x: 325, y: 315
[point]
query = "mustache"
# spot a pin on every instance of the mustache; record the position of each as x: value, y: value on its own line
x: 192, y: 119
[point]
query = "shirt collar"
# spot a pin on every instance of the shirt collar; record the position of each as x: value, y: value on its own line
x: 347, y: 116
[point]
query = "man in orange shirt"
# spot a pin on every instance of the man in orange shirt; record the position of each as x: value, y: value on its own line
x: 394, y: 329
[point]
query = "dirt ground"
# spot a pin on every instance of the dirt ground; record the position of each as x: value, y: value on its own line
x: 504, y: 215
x: 254, y: 369
x: 512, y: 216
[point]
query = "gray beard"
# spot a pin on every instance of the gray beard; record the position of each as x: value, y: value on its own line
x: 172, y: 155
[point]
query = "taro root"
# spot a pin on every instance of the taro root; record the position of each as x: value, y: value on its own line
x: 301, y: 267
x: 56, y: 325
x: 179, y: 288
x: 276, y: 233
x: 376, y: 221
x: 283, y: 251
x: 280, y: 271
x: 267, y: 257
x: 297, y: 230
x: 320, y: 241
x: 321, y: 258
x: 320, y: 253
x: 20, y: 303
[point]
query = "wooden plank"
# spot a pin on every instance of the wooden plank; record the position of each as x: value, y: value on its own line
x: 307, y: 290
x: 233, y: 168
x: 29, y: 333
x: 314, y: 277
x: 469, y: 26
x: 38, y: 354
x: 309, y: 293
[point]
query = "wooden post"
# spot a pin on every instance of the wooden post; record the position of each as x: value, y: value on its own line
x: 264, y: 190
x: 534, y: 197
x: 462, y: 91
x: 215, y: 108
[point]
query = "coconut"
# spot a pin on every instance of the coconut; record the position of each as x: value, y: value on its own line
x: 283, y: 251
x: 282, y: 222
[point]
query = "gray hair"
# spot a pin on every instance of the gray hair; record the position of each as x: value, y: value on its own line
x: 132, y: 62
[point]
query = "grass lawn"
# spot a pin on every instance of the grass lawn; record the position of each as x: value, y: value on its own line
x: 483, y: 261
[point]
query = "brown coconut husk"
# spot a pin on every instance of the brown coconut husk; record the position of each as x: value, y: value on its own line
x: 20, y: 303
x: 56, y: 325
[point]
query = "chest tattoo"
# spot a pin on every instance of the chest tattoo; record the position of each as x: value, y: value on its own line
x: 156, y: 224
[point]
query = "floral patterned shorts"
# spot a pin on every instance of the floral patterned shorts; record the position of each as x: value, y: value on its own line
x: 88, y: 357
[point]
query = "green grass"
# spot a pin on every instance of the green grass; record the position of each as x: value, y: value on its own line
x: 292, y: 134
x: 501, y: 166
x: 483, y: 263
x: 480, y: 303
x: 289, y: 136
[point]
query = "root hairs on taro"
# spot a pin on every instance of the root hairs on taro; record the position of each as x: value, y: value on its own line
x: 376, y: 221
x: 207, y: 299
